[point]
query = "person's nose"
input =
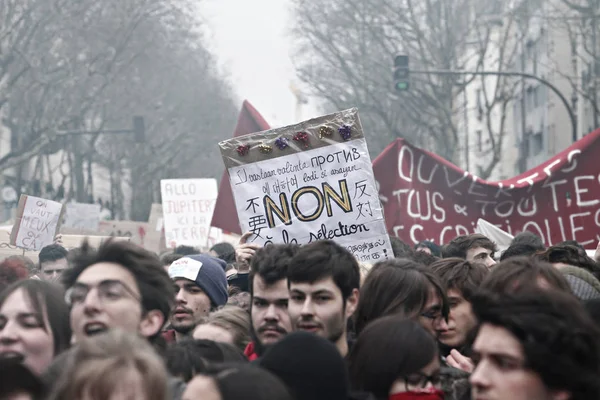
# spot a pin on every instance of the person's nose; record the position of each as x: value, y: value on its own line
x: 490, y: 262
x: 10, y: 333
x: 307, y: 308
x: 181, y: 297
x: 479, y: 379
x: 271, y: 314
x: 92, y: 302
x: 440, y: 324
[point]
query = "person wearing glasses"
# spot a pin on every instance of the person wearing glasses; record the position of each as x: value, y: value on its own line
x: 121, y: 285
x: 397, y: 359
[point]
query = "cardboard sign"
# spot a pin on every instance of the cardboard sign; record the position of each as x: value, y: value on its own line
x: 38, y: 222
x: 69, y: 242
x: 188, y: 206
x: 309, y: 182
x: 84, y: 217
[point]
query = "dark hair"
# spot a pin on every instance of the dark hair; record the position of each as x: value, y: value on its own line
x: 396, y: 287
x: 156, y: 288
x: 189, y: 357
x: 186, y: 250
x: 46, y: 299
x: 170, y: 258
x: 423, y: 258
x: 12, y: 271
x: 399, y: 248
x: 593, y: 308
x: 521, y: 273
x: 529, y: 239
x: 459, y: 246
x: 573, y: 243
x: 387, y: 349
x: 247, y: 382
x: 271, y: 263
x: 519, y: 250
x: 225, y: 251
x: 434, y: 248
x: 460, y: 275
x: 323, y: 259
x: 16, y: 378
x: 570, y: 255
x: 52, y: 252
x: 560, y: 341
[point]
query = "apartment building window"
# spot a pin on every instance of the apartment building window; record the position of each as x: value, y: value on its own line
x: 537, y: 144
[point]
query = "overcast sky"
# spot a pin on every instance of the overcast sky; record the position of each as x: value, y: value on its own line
x: 252, y: 43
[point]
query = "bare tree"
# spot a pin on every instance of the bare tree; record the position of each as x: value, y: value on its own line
x: 345, y: 55
x: 578, y: 20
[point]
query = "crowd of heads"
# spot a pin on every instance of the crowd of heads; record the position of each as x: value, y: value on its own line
x: 455, y: 321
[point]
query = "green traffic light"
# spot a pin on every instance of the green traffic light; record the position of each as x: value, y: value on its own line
x: 401, y: 86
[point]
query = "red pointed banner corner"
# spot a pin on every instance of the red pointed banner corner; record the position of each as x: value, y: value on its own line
x: 225, y: 215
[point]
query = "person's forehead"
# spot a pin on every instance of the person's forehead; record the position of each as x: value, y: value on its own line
x: 99, y: 272
x: 17, y: 302
x: 323, y: 285
x: 493, y: 339
x: 455, y: 293
x: 62, y: 263
x: 276, y: 290
x: 478, y: 250
x: 181, y: 282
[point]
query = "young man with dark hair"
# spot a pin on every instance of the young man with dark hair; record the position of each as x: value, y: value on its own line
x: 121, y: 285
x: 461, y: 279
x: 200, y: 286
x: 534, y: 345
x: 269, y: 293
x: 324, y: 281
x: 474, y: 248
x: 53, y: 261
x: 519, y: 250
x: 529, y: 239
x: 522, y: 273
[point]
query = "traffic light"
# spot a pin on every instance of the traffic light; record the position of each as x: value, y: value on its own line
x: 139, y: 129
x: 401, y: 73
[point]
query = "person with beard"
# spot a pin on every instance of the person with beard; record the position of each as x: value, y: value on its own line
x: 269, y: 293
x: 201, y: 287
x: 324, y: 281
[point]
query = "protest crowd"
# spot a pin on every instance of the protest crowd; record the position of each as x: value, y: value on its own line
x: 283, y: 321
x: 320, y: 298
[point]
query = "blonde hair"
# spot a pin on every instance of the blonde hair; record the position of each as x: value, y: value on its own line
x: 98, y: 364
x: 236, y: 321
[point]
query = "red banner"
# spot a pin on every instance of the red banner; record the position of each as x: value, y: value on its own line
x: 427, y: 198
x: 225, y: 215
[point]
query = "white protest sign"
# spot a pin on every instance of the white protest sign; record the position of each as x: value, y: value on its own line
x: 309, y: 182
x: 188, y: 206
x: 37, y: 223
x: 82, y: 216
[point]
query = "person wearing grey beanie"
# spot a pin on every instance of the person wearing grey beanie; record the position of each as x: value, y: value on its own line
x: 583, y: 284
x: 201, y: 287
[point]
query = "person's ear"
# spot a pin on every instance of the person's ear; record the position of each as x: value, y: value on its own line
x: 352, y: 303
x: 152, y: 322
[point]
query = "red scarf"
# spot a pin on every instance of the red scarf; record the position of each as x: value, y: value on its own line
x: 250, y: 353
x: 433, y: 394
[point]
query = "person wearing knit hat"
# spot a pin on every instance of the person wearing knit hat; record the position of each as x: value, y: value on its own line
x: 201, y: 287
x: 310, y: 366
x: 583, y: 284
